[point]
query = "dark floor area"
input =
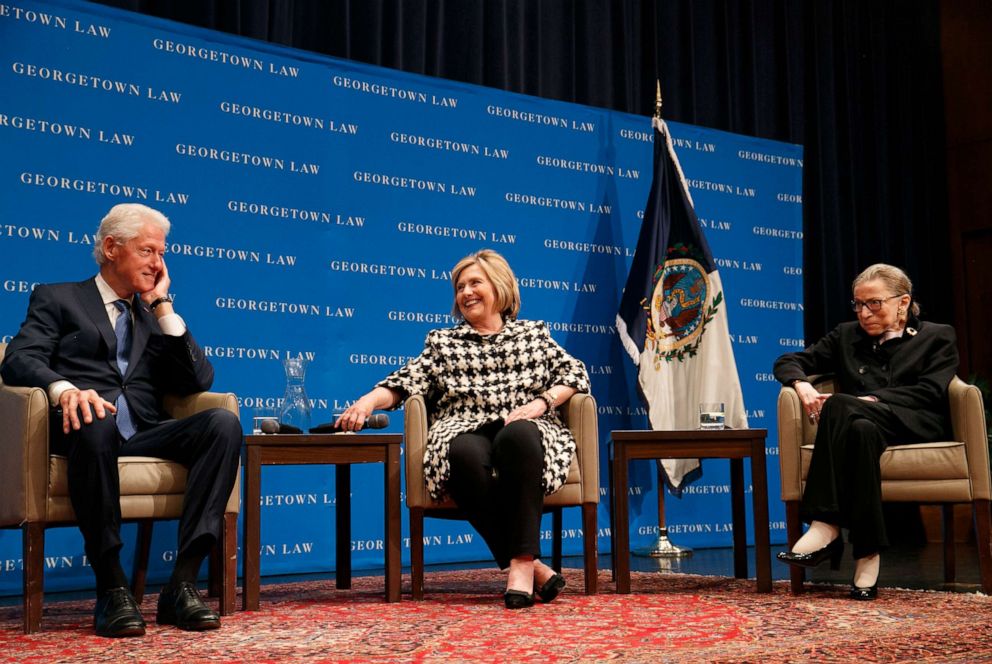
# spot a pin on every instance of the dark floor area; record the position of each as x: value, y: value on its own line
x: 917, y: 567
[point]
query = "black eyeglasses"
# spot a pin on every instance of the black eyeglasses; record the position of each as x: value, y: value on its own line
x: 873, y: 305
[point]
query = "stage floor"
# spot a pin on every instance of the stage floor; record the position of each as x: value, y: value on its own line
x: 915, y: 567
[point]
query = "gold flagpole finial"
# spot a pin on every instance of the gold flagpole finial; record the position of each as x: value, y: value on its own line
x: 657, y: 100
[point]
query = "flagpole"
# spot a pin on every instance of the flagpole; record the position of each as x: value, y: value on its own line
x: 663, y: 547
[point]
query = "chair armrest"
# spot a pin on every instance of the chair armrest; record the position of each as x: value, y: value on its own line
x: 968, y: 423
x: 24, y: 450
x: 790, y: 439
x: 180, y: 407
x: 415, y: 439
x: 579, y: 415
x: 794, y: 431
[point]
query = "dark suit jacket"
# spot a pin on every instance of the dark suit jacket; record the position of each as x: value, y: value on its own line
x: 910, y: 374
x: 67, y: 336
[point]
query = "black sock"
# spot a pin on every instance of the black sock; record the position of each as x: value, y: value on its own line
x: 109, y: 573
x: 189, y: 560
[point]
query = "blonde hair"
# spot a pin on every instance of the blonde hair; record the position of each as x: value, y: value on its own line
x: 894, y: 279
x: 498, y: 271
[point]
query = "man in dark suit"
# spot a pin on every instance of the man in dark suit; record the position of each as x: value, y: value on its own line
x: 107, y: 349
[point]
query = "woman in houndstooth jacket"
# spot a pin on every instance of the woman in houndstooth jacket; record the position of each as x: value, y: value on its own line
x: 495, y: 444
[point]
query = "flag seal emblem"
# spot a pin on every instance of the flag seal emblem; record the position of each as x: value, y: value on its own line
x: 680, y: 309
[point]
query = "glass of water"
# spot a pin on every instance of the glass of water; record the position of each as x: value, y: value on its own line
x: 261, y: 414
x: 711, y: 415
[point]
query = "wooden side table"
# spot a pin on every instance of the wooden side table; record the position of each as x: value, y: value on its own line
x: 733, y: 444
x: 340, y: 450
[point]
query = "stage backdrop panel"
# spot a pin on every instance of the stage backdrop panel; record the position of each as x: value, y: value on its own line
x: 318, y: 206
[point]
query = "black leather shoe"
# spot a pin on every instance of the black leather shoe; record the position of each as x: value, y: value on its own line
x: 518, y: 599
x: 117, y: 614
x: 833, y: 551
x: 551, y: 588
x: 864, y: 594
x: 183, y: 607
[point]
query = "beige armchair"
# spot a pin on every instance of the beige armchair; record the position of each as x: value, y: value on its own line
x: 580, y: 490
x: 35, y: 493
x: 945, y: 472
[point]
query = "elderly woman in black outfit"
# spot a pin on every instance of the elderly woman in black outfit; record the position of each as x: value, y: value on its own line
x: 891, y: 373
x: 496, y: 444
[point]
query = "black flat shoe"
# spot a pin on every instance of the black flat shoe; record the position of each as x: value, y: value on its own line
x: 183, y: 607
x: 518, y: 599
x: 551, y: 588
x: 833, y: 551
x: 117, y: 615
x: 864, y: 594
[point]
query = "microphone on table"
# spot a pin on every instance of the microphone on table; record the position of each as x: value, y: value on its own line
x: 375, y: 421
x: 272, y: 426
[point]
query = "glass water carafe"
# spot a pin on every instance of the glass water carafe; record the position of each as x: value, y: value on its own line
x: 295, y: 409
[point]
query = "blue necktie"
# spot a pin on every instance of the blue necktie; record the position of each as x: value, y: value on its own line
x: 122, y: 328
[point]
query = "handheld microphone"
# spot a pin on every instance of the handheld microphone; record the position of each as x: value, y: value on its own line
x: 375, y: 421
x: 272, y: 426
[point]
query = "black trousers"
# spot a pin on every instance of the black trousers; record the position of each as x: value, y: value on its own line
x: 495, y: 480
x: 844, y: 483
x: 208, y: 444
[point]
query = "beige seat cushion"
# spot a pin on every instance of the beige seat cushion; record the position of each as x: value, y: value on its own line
x: 922, y: 461
x: 927, y: 472
x: 139, y: 476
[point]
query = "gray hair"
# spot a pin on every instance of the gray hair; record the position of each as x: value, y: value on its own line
x: 124, y: 222
x: 894, y: 279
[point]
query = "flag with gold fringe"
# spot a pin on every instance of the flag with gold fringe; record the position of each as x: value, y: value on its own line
x: 673, y: 316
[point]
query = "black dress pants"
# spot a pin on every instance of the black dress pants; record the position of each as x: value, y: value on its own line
x: 844, y: 483
x: 208, y: 444
x: 496, y: 474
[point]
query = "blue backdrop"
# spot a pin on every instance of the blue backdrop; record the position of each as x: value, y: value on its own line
x: 317, y: 206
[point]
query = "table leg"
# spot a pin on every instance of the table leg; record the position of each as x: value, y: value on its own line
x: 759, y: 496
x: 738, y: 516
x: 342, y: 543
x: 252, y: 518
x: 391, y: 478
x: 621, y: 526
x: 613, y: 526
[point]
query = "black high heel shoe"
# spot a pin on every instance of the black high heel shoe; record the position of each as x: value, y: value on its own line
x: 551, y: 588
x: 518, y: 599
x: 864, y: 594
x: 833, y: 551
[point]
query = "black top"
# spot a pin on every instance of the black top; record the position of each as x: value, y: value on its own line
x: 910, y: 373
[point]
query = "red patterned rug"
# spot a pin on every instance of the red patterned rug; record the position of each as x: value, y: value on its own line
x: 669, y: 617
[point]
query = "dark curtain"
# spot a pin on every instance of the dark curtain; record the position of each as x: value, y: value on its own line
x: 857, y: 83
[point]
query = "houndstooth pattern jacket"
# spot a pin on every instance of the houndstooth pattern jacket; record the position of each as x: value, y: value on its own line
x: 479, y: 379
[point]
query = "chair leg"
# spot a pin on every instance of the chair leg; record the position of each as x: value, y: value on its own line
x: 142, y: 550
x: 215, y: 564
x: 556, y: 528
x: 793, y: 531
x: 590, y: 542
x: 417, y: 553
x: 983, y: 530
x: 33, y: 536
x: 949, y: 562
x: 227, y: 551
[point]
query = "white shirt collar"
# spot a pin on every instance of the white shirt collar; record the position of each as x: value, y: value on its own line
x: 108, y: 294
x: 890, y: 334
